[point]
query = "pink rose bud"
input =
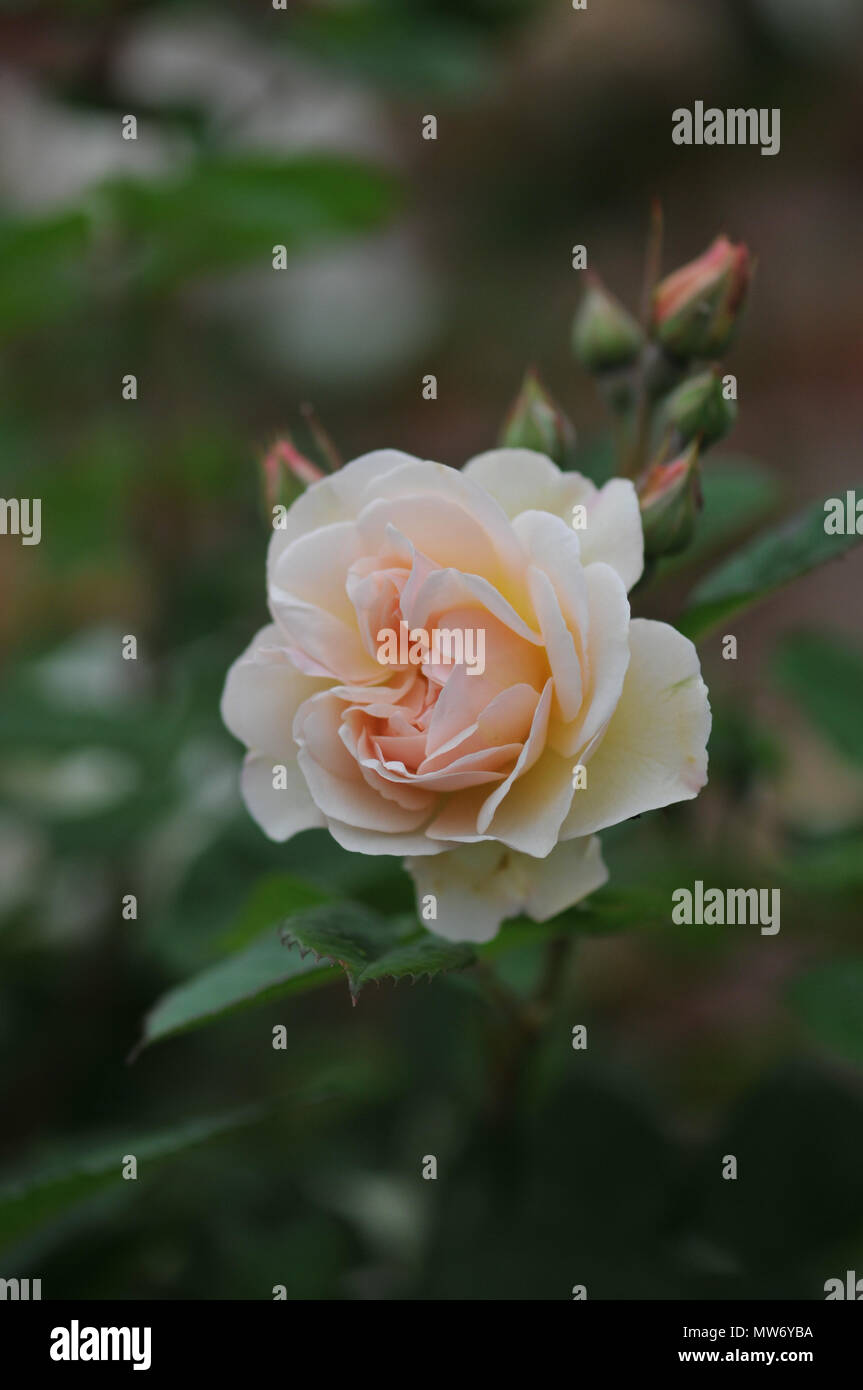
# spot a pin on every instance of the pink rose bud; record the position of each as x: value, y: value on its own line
x: 670, y: 498
x: 284, y: 461
x: 535, y: 421
x: 696, y: 309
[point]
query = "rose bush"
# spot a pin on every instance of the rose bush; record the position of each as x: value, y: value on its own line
x: 469, y: 777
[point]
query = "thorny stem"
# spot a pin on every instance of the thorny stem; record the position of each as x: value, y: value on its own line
x: 636, y: 460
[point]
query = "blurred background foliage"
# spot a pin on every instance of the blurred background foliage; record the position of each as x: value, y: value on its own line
x: 301, y: 1167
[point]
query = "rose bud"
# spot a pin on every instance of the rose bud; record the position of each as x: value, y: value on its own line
x: 604, y: 334
x: 281, y: 468
x: 536, y: 422
x: 696, y: 309
x: 698, y: 410
x: 670, y: 498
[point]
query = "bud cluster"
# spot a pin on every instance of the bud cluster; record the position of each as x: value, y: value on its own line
x: 663, y: 383
x: 660, y: 378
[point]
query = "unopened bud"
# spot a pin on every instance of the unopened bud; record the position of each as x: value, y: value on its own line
x: 670, y: 498
x: 698, y: 410
x: 535, y: 421
x: 604, y: 334
x: 696, y: 309
x: 281, y: 469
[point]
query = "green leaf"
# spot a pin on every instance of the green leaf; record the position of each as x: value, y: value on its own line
x: 824, y: 675
x: 264, y: 971
x: 274, y: 897
x: 764, y: 565
x: 226, y: 212
x: 366, y: 946
x: 371, y: 948
x: 331, y: 934
x: 829, y: 1002
x: 428, y: 956
x: 27, y: 1202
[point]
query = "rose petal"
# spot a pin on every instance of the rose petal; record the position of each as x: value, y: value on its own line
x: 606, y: 659
x: 530, y: 753
x: 477, y: 886
x: 614, y: 534
x: 361, y: 841
x: 335, y: 778
x: 284, y: 812
x: 534, y: 807
x: 559, y: 645
x: 339, y: 497
x: 654, y: 751
x: 263, y: 691
x: 521, y: 480
x: 453, y: 485
x: 435, y: 525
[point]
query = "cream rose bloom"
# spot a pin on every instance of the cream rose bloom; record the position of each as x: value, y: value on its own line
x: 469, y: 776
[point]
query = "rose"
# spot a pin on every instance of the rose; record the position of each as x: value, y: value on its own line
x: 469, y: 777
